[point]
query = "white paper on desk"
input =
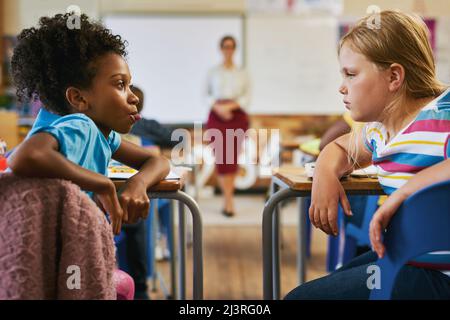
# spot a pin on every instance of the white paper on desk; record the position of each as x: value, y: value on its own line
x: 172, y: 176
x: 126, y: 175
x: 370, y: 171
x: 124, y: 172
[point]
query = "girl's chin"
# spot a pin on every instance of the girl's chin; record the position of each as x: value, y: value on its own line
x: 123, y: 130
x: 357, y: 116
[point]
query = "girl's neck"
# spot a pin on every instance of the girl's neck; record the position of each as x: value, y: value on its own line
x: 403, y: 113
x: 104, y: 131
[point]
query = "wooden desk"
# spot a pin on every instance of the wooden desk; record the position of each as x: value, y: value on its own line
x: 173, y: 190
x: 163, y: 186
x: 292, y: 182
x: 295, y: 178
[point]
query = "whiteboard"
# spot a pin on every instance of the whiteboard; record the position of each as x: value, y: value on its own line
x: 169, y: 58
x: 293, y: 64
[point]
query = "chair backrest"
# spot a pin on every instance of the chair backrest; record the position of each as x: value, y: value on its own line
x: 421, y: 225
x: 52, y: 232
x: 361, y: 234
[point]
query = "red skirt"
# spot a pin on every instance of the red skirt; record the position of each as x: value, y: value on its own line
x: 224, y: 164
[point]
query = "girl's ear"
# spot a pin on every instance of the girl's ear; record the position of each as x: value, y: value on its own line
x: 76, y: 99
x: 396, y: 77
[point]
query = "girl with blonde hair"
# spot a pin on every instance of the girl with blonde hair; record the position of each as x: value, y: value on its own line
x: 389, y: 82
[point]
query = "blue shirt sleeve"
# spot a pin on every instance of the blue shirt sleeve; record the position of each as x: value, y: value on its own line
x: 114, y: 141
x: 73, y: 133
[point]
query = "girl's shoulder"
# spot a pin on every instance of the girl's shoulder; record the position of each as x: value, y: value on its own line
x: 74, y: 126
x: 441, y: 103
x: 438, y: 109
x: 74, y: 118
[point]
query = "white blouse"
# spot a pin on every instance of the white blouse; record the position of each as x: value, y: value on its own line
x: 228, y: 84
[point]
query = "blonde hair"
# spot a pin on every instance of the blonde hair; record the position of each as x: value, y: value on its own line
x: 400, y: 38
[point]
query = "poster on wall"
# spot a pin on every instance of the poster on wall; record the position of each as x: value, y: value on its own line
x: 334, y: 7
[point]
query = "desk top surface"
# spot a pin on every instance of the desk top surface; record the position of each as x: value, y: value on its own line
x: 162, y: 186
x: 296, y: 179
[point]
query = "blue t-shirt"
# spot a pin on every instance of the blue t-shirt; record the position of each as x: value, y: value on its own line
x: 79, y: 139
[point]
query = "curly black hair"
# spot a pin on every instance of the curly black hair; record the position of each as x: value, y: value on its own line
x: 52, y: 57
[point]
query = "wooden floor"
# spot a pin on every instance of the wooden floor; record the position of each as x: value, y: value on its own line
x: 233, y: 262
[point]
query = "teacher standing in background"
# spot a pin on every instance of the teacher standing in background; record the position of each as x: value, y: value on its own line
x: 228, y: 95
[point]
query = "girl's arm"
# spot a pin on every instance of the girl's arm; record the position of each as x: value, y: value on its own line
x: 38, y: 157
x: 152, y: 169
x: 431, y: 175
x: 327, y: 191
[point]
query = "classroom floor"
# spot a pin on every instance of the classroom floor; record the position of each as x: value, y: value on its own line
x: 233, y: 254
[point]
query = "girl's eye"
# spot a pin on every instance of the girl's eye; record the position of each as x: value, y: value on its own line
x: 121, y: 85
x: 349, y: 75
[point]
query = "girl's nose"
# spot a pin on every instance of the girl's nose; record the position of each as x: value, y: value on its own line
x: 343, y: 89
x: 133, y: 99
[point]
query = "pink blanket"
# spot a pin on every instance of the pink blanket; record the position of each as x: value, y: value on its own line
x: 55, y: 243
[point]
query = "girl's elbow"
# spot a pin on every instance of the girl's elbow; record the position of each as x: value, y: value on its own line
x: 22, y: 164
x: 166, y: 164
x: 17, y: 166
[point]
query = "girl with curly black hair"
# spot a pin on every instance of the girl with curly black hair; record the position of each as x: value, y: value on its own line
x: 84, y: 82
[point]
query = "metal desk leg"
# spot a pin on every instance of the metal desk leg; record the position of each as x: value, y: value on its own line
x: 154, y: 236
x: 268, y: 247
x: 196, y: 186
x: 181, y: 251
x: 276, y: 245
x: 301, y: 241
x: 197, y: 238
x: 173, y: 260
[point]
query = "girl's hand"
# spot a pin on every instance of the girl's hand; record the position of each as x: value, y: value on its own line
x: 107, y: 200
x: 327, y: 192
x: 134, y: 201
x: 381, y: 219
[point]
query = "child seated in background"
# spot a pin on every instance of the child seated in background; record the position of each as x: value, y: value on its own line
x: 154, y: 134
x: 84, y: 83
x: 151, y: 135
x: 151, y: 131
x: 395, y: 89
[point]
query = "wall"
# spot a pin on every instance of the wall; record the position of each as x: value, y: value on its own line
x: 24, y: 13
x: 173, y: 6
x: 20, y: 14
x: 430, y: 8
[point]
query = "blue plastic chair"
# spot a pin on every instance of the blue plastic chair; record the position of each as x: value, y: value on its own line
x: 354, y: 235
x: 361, y: 233
x: 421, y: 225
x: 342, y: 249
